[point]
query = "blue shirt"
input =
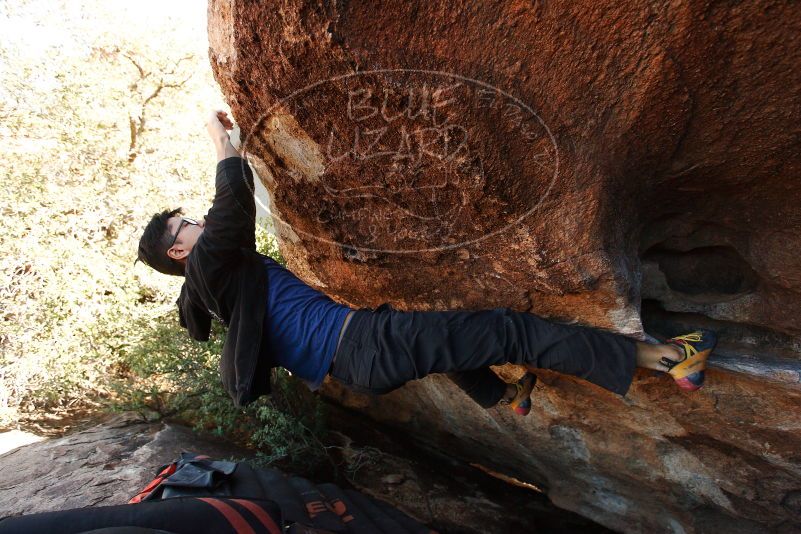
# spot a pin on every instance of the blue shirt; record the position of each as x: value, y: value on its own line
x: 301, y: 325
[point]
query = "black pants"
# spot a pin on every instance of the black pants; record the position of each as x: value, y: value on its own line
x: 382, y: 349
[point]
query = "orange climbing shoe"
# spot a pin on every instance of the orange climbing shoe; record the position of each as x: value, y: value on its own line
x: 521, y: 402
x: 688, y: 372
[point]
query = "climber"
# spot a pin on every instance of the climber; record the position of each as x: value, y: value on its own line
x: 275, y: 319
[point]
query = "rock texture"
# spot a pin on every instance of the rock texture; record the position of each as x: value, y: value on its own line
x: 103, y: 465
x: 613, y: 164
x: 439, y: 490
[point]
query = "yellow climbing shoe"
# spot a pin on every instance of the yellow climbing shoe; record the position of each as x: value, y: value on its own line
x: 521, y: 402
x: 689, y: 370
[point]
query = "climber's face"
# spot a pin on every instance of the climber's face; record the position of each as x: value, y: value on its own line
x: 185, y: 232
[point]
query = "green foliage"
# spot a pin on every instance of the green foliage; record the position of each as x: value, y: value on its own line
x: 266, y: 242
x: 168, y: 373
x: 291, y: 429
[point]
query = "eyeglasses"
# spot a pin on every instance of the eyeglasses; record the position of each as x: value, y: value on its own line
x: 184, y: 220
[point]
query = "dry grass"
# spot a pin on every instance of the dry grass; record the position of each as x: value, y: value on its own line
x: 76, y: 191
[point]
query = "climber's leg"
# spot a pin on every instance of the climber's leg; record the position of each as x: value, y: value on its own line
x: 383, y: 349
x: 608, y: 359
x: 649, y: 356
x: 483, y: 386
x: 603, y: 358
x: 683, y: 357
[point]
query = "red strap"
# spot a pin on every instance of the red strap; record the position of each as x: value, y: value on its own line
x: 234, y: 518
x: 341, y: 510
x: 260, y: 514
x: 167, y: 471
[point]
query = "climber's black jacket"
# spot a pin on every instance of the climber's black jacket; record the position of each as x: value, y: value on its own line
x: 225, y: 278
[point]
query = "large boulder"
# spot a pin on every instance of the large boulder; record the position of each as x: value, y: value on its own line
x: 629, y: 168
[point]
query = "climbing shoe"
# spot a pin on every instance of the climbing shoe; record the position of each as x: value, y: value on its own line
x: 688, y: 371
x: 521, y: 402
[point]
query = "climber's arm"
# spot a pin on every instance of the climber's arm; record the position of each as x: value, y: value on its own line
x: 217, y: 125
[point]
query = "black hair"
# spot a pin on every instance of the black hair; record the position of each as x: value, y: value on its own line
x: 155, y: 241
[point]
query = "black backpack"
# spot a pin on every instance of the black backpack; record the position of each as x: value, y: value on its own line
x: 197, y: 494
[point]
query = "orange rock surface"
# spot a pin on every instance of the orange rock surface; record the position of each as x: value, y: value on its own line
x: 626, y: 166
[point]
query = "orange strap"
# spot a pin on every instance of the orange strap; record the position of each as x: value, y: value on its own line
x: 260, y: 514
x: 139, y: 497
x: 234, y: 518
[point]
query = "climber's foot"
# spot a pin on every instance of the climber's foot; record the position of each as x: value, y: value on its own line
x: 689, y: 368
x: 520, y: 403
